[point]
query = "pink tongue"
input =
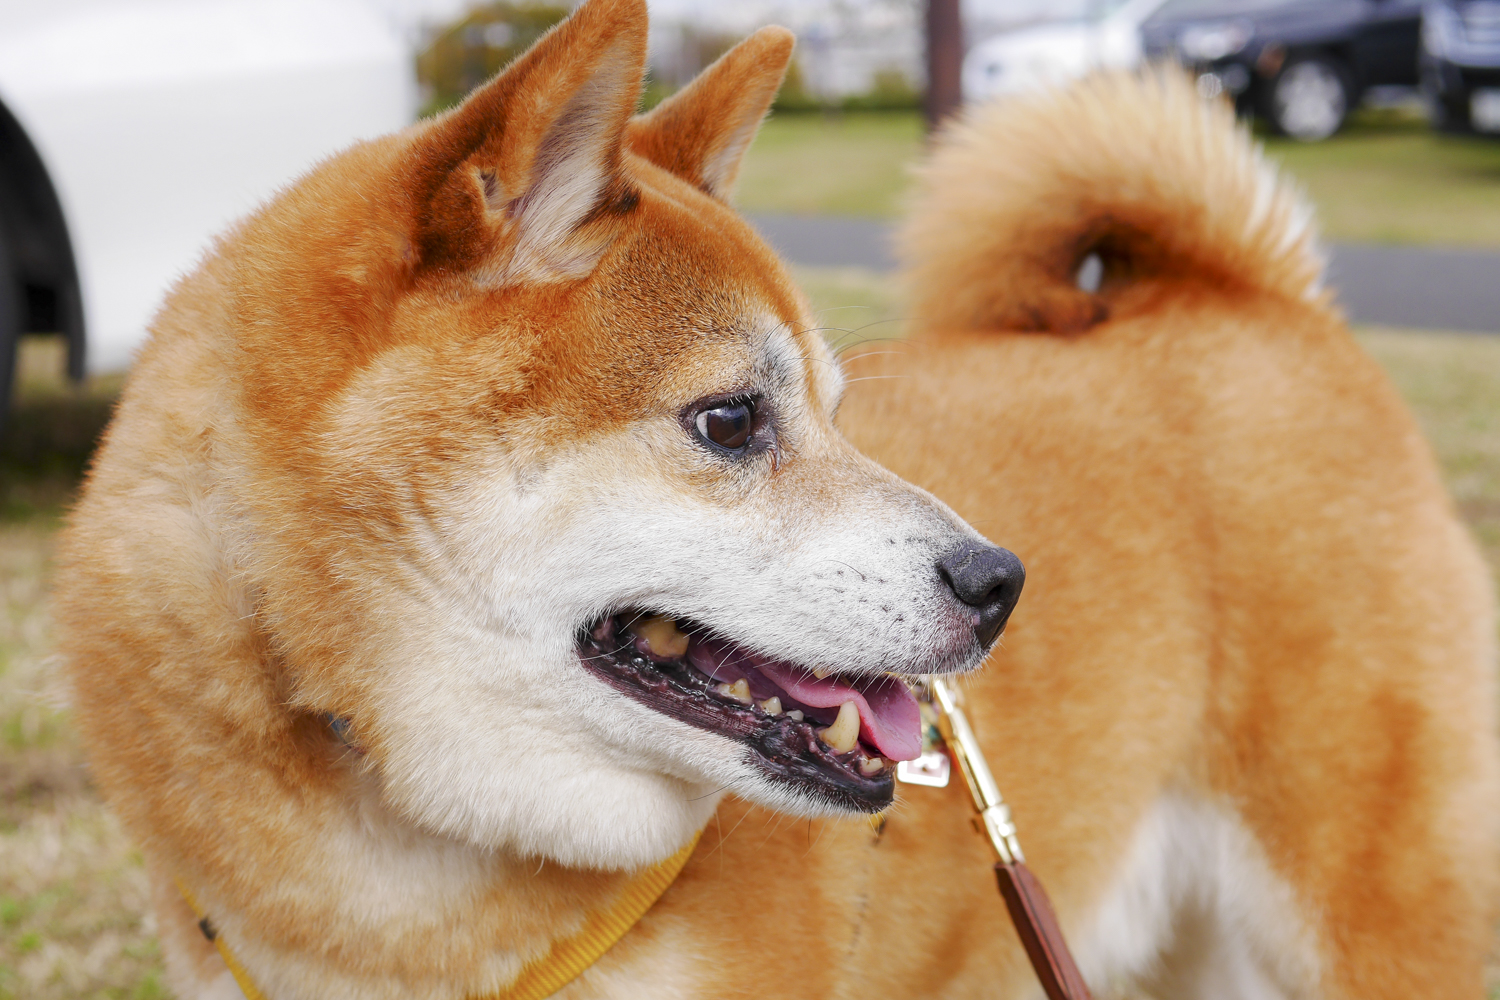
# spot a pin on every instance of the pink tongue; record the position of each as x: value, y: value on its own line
x: 889, y: 719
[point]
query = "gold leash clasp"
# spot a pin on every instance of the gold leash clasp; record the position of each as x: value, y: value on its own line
x: 993, y: 812
x: 1030, y: 910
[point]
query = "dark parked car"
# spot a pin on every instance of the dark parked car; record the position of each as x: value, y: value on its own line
x: 1461, y: 64
x: 1301, y: 64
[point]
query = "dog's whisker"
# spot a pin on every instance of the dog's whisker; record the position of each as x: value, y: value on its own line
x: 722, y: 788
x: 613, y: 652
x: 854, y: 569
x: 724, y: 837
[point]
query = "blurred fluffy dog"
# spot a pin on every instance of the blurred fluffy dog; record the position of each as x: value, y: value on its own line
x: 1246, y: 716
x: 476, y: 517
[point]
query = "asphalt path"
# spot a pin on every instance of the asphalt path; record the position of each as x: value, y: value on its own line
x: 1425, y: 287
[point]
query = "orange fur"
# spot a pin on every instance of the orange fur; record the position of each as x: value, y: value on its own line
x: 1248, y: 588
x: 1245, y: 580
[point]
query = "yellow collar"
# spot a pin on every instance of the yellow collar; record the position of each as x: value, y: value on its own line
x: 563, y: 963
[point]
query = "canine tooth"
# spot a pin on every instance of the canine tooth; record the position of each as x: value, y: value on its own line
x: 739, y: 691
x: 871, y: 766
x: 844, y: 733
x: 661, y: 635
x: 771, y: 706
x: 795, y: 715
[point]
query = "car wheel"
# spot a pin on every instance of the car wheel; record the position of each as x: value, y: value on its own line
x: 1310, y: 99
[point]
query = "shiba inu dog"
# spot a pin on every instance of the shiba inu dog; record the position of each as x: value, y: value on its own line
x: 476, y: 522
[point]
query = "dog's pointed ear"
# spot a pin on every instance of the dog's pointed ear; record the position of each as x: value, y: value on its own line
x: 502, y: 183
x: 701, y: 133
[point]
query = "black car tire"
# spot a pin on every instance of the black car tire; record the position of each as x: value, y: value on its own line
x: 1310, y: 98
x: 10, y: 328
x: 1448, y: 107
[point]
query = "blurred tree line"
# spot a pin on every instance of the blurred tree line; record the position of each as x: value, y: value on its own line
x: 468, y: 52
x: 891, y: 90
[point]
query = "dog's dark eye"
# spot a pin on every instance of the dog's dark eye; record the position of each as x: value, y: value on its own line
x: 727, y: 426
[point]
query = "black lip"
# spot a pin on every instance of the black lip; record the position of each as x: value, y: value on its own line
x: 785, y: 750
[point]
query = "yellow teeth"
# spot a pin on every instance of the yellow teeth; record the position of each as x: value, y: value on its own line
x: 871, y: 766
x: 820, y: 673
x: 661, y: 635
x: 771, y: 706
x: 739, y: 691
x: 844, y: 733
x: 795, y: 715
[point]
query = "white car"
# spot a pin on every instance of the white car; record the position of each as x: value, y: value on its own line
x: 131, y: 131
x: 1042, y: 55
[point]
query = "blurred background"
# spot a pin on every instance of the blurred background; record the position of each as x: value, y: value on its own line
x: 133, y: 130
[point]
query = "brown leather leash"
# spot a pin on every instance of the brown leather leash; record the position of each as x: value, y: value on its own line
x: 1030, y: 910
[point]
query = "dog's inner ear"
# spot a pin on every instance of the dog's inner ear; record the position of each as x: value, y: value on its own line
x: 504, y: 182
x: 701, y: 133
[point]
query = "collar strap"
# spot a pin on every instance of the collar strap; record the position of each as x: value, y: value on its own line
x: 568, y: 958
x: 565, y: 960
x: 212, y: 933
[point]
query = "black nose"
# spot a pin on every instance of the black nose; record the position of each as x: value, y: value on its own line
x: 988, y: 579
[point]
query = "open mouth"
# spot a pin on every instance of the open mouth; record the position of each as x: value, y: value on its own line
x: 834, y: 737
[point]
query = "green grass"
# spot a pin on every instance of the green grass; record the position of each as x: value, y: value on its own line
x: 73, y: 887
x: 855, y: 163
x: 1386, y: 178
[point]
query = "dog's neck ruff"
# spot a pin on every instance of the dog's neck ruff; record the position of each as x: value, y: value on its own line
x: 564, y: 962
